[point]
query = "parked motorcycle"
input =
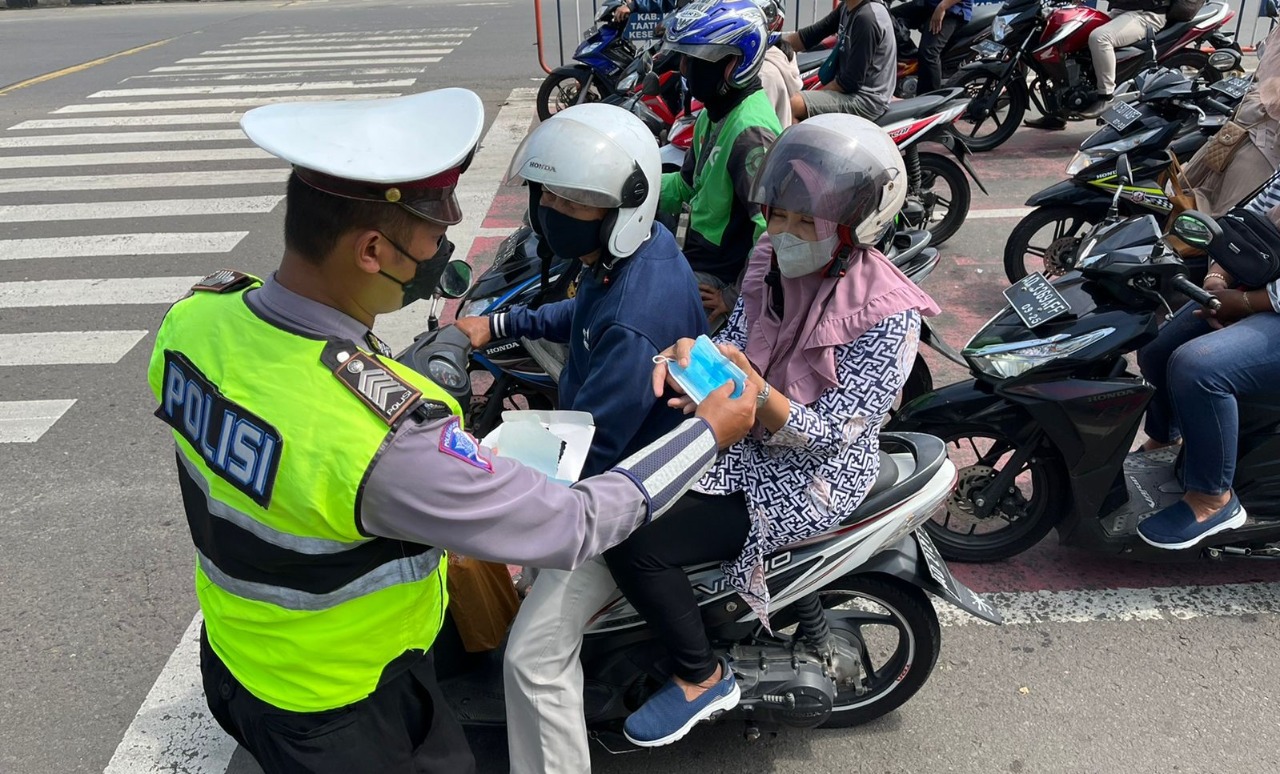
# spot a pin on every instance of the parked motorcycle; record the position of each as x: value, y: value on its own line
x: 1042, y: 431
x: 1049, y: 40
x: 1173, y: 114
x: 957, y: 52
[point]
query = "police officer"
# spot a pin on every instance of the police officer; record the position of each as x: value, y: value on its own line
x: 323, y: 481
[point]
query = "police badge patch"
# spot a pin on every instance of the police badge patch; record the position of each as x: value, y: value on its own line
x: 456, y: 442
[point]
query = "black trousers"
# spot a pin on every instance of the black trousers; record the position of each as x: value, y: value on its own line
x: 404, y: 726
x: 649, y: 568
x: 915, y: 15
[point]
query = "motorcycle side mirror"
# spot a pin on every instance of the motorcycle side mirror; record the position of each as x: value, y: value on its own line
x: 1196, y: 228
x: 1124, y: 172
x: 651, y: 86
x: 456, y: 279
x: 1224, y: 60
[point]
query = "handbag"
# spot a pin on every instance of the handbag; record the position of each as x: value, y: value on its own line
x: 1183, y: 10
x: 1220, y: 149
x: 1173, y: 180
x: 1249, y: 248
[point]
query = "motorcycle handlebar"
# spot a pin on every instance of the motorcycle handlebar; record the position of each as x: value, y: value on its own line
x: 1218, y: 107
x: 1196, y: 293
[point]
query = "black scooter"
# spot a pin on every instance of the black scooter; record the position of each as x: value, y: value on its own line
x: 1041, y: 434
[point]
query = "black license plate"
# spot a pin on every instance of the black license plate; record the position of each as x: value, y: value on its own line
x: 986, y: 49
x: 1036, y: 300
x: 1232, y: 87
x: 949, y: 588
x: 1121, y: 116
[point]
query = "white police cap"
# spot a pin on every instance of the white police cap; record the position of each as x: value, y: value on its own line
x: 404, y: 150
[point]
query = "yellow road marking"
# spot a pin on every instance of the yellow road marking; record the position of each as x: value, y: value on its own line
x: 78, y: 68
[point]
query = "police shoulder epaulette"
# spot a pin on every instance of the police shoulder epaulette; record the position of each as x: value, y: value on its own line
x: 378, y: 387
x: 223, y: 281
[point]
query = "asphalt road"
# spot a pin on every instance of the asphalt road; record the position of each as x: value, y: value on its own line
x: 1100, y: 674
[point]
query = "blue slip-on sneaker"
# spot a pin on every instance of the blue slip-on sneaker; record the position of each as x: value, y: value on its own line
x: 666, y: 717
x: 1176, y: 527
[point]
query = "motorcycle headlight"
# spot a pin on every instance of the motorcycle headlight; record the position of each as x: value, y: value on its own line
x: 1082, y: 161
x: 475, y: 308
x: 1125, y: 145
x: 1001, y: 27
x: 1005, y: 361
x: 628, y: 82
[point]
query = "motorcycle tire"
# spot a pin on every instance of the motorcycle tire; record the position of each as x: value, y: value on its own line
x: 561, y: 88
x: 899, y: 604
x: 1058, y: 256
x: 981, y: 85
x: 1193, y: 62
x: 934, y: 167
x: 1038, y: 515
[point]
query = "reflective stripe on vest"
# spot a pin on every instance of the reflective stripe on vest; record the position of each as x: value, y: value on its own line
x: 305, y: 609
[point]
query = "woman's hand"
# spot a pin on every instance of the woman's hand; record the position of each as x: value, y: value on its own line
x: 679, y: 352
x: 1234, y: 308
x: 736, y: 357
x: 1217, y: 279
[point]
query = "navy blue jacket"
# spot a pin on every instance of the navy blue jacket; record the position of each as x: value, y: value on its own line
x: 613, y: 331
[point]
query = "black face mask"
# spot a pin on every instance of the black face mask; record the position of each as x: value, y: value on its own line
x: 569, y: 237
x: 426, y: 277
x: 705, y: 79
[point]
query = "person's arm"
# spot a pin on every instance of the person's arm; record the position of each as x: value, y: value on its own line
x: 870, y: 373
x: 426, y: 488
x: 553, y: 322
x: 939, y: 14
x: 812, y: 36
x: 858, y: 54
x: 677, y: 187
x: 616, y: 391
x: 745, y: 158
x: 734, y: 331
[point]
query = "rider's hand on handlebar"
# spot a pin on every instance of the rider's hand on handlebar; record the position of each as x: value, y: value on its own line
x: 621, y: 13
x: 476, y: 329
x: 730, y: 418
x: 1233, y: 309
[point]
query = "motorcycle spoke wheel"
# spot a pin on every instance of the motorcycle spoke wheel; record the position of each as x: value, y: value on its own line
x: 994, y: 112
x: 558, y: 93
x: 887, y: 642
x: 945, y: 194
x: 1046, y: 241
x: 1025, y: 513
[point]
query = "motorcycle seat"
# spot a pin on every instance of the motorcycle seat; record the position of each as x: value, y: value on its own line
x: 916, y: 107
x: 897, y: 482
x: 1175, y: 30
x: 979, y: 21
x: 811, y: 60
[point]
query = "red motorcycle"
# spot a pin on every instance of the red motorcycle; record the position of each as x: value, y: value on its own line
x: 1049, y: 40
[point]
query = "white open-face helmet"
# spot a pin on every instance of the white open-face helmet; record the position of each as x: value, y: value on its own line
x: 601, y: 156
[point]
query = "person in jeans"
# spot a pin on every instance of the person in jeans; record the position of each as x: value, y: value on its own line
x: 937, y: 21
x: 826, y: 329
x: 1201, y: 363
x: 866, y: 61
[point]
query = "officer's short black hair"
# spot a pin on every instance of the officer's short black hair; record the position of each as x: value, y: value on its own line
x: 314, y: 221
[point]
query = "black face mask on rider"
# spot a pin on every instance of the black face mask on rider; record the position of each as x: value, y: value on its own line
x: 569, y: 237
x: 707, y: 83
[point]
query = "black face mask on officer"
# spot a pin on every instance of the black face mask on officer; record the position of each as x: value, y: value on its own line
x: 569, y: 237
x: 426, y: 277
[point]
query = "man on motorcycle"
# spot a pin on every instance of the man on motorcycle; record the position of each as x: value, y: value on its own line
x: 637, y: 294
x: 323, y: 481
x: 780, y: 74
x: 861, y: 73
x: 722, y: 45
x: 937, y: 21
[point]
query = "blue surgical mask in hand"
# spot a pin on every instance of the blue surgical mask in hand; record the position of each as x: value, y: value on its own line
x: 708, y: 370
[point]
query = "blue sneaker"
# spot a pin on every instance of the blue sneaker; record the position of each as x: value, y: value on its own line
x: 666, y: 717
x: 1176, y: 527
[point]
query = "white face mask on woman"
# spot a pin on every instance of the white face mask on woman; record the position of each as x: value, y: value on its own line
x: 798, y: 257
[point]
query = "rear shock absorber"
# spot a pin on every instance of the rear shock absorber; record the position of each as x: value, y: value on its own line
x: 813, y: 622
x: 912, y: 158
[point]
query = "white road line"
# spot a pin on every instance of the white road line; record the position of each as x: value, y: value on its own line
x: 332, y: 55
x: 276, y: 75
x: 94, y: 292
x: 184, y: 244
x: 66, y: 347
x: 122, y: 138
x: 475, y: 193
x: 131, y: 157
x: 492, y: 232
x: 116, y: 210
x: 98, y: 121
x: 1178, y: 603
x: 366, y: 35
x: 283, y: 65
x: 24, y: 421
x: 143, y: 180
x: 196, y: 104
x: 261, y: 87
x: 1008, y: 212
x: 173, y: 730
x: 326, y: 47
x: 386, y: 38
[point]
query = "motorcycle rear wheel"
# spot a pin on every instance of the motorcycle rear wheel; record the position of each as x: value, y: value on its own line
x: 949, y: 208
x: 1032, y: 507
x: 562, y: 88
x: 854, y: 605
x: 998, y: 113
x: 1053, y: 253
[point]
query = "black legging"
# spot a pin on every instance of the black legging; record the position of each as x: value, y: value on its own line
x: 648, y: 568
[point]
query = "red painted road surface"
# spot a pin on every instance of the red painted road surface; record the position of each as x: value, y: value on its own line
x: 967, y: 285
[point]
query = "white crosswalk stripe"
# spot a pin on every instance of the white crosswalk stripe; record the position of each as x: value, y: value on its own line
x: 157, y: 148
